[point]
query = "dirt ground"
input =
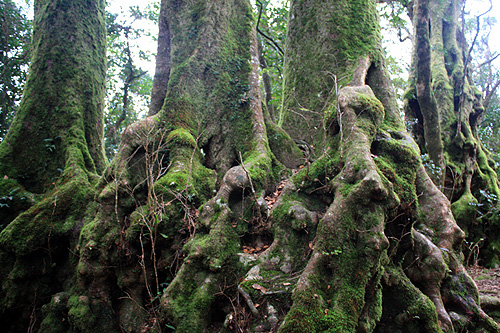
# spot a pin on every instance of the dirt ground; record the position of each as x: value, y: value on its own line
x: 487, y: 280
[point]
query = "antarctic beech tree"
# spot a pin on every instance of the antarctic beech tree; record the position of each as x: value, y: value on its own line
x: 204, y: 220
x: 52, y: 155
x: 162, y: 70
x: 444, y: 109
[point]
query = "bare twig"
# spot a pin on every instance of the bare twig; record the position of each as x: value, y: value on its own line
x: 249, y: 301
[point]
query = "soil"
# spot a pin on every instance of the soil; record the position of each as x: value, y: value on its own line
x: 487, y: 280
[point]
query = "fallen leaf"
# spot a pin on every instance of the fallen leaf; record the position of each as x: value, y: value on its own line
x: 257, y: 286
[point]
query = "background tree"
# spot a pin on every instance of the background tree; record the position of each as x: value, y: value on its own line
x: 202, y: 215
x: 15, y: 36
x: 442, y: 92
x: 272, y: 21
x: 128, y: 84
x: 486, y: 77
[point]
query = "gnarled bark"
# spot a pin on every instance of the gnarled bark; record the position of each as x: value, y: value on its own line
x: 444, y: 110
x: 196, y: 223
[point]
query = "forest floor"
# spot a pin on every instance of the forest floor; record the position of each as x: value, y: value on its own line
x: 487, y: 280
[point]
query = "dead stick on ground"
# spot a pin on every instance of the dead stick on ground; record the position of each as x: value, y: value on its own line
x: 249, y: 301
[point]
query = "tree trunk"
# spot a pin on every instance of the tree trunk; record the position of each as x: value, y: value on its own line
x: 162, y: 70
x: 444, y: 110
x: 62, y: 107
x: 51, y: 156
x: 199, y: 225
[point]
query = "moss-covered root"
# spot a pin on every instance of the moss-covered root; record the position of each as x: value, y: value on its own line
x: 211, y: 256
x: 461, y: 296
x: 405, y: 308
x: 210, y: 263
x: 34, y: 247
x: 437, y: 262
x: 427, y: 271
x: 339, y: 286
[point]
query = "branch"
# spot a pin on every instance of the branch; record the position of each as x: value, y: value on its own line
x: 263, y: 34
x: 478, y: 27
x: 490, y: 94
x: 489, y: 61
x: 466, y: 65
x: 249, y: 301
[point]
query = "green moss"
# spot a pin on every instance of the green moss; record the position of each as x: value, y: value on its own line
x: 55, y: 314
x: 63, y: 97
x: 54, y: 215
x: 306, y: 317
x: 322, y: 169
x: 406, y: 308
x: 465, y: 210
x: 212, y: 81
x: 260, y: 168
x: 86, y: 315
x: 299, y: 230
x: 13, y: 200
x: 316, y: 60
x: 368, y: 106
x: 283, y: 147
x: 346, y: 189
x: 482, y: 161
x: 217, y: 248
x: 187, y: 176
x: 181, y: 136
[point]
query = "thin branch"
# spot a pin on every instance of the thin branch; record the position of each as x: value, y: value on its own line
x: 466, y: 65
x: 263, y: 34
x: 249, y: 301
x: 478, y: 27
x: 489, y: 61
x: 490, y: 94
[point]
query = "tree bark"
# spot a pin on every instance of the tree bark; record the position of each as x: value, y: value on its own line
x: 162, y: 70
x: 51, y: 156
x: 444, y: 110
x: 197, y: 225
x: 63, y: 99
